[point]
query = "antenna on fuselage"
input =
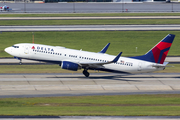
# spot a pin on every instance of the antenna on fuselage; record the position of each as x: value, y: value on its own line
x: 32, y: 37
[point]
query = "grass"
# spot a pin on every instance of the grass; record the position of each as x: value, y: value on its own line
x: 33, y: 69
x: 124, y: 105
x: 94, y: 41
x: 88, y: 14
x: 175, y: 68
x: 91, y: 22
x: 126, y: 41
x: 57, y: 69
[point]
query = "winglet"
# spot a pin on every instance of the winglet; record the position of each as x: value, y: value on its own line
x: 117, y: 57
x: 105, y: 48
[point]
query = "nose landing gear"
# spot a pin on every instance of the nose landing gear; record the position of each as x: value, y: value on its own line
x: 20, y: 62
x: 86, y: 73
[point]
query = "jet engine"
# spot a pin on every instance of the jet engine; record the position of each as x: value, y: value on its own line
x: 70, y: 66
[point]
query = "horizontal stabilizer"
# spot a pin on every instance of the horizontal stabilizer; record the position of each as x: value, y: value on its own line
x: 161, y: 65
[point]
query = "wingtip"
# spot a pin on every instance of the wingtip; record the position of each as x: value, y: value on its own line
x: 105, y: 49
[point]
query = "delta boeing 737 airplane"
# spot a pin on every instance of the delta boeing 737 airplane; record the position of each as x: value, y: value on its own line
x: 74, y: 60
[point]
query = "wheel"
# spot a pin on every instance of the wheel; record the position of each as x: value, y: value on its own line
x: 86, y: 73
x: 20, y: 62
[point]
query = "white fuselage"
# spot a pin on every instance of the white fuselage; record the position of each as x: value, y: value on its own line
x: 56, y: 54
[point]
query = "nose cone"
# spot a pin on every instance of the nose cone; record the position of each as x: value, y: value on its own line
x: 8, y: 50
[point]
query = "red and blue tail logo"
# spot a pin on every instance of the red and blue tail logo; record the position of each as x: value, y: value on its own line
x: 159, y: 52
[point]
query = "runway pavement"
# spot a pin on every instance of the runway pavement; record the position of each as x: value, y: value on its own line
x: 88, y: 28
x: 43, y: 85
x: 92, y: 7
x: 89, y: 18
x: 47, y: 85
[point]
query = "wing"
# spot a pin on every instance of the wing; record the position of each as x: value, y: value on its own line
x: 99, y: 64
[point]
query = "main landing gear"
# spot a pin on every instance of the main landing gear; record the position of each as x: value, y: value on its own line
x: 86, y: 73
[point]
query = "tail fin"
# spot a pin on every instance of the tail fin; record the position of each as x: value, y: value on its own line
x: 159, y: 52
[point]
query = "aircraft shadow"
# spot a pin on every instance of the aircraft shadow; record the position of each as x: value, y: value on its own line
x: 111, y: 77
x: 114, y: 77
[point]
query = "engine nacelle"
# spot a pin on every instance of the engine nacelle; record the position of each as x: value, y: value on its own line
x: 69, y: 65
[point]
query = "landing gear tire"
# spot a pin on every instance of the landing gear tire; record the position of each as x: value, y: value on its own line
x: 85, y: 72
x: 20, y: 62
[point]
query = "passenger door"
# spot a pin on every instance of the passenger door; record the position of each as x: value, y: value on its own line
x: 26, y: 50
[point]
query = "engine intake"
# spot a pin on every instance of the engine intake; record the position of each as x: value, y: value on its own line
x: 69, y: 66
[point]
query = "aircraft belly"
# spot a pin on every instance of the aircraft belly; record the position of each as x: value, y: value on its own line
x: 135, y: 68
x: 119, y: 68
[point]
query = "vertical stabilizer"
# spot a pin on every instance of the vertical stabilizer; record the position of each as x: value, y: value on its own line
x: 159, y: 52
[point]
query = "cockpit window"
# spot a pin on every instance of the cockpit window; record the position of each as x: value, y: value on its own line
x: 15, y: 46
